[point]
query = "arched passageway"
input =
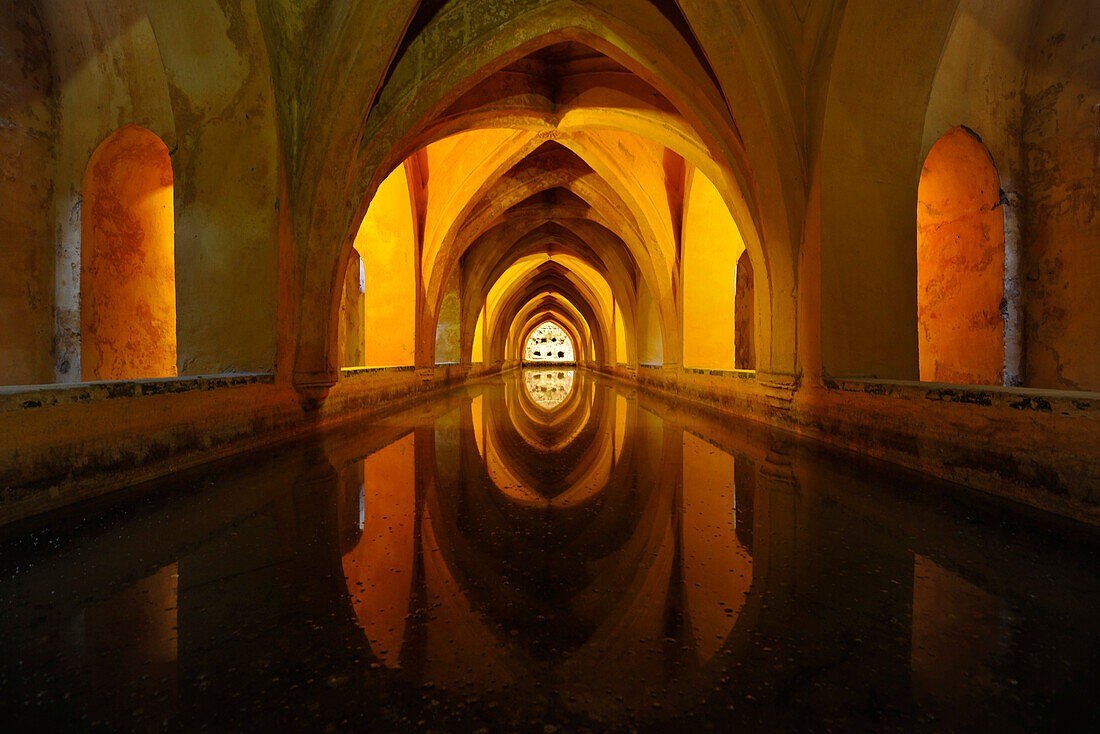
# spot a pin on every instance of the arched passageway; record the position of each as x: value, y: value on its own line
x: 536, y: 311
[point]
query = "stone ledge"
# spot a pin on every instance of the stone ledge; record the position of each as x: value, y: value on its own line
x: 1064, y: 402
x: 28, y: 397
x: 1038, y: 447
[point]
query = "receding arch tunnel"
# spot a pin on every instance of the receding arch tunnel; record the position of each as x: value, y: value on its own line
x: 565, y: 220
x: 501, y: 365
x: 564, y: 145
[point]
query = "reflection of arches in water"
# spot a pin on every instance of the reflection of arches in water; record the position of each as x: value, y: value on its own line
x: 664, y: 540
x: 378, y: 559
x: 548, y: 388
x: 520, y: 437
x: 549, y: 343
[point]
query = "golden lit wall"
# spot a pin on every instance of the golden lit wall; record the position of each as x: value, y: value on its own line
x: 127, y: 273
x: 960, y: 264
x: 711, y: 246
x: 1062, y: 199
x: 26, y: 188
x: 387, y: 243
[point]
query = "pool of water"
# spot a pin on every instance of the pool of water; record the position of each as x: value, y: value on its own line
x: 545, y: 552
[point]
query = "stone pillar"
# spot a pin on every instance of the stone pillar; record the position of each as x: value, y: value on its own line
x: 1012, y: 305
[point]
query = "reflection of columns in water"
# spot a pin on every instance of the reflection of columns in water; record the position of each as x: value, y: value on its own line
x: 744, y: 499
x: 415, y: 651
x: 676, y: 624
x: 955, y: 636
x: 380, y: 566
x: 716, y: 565
x: 131, y: 648
x: 776, y: 508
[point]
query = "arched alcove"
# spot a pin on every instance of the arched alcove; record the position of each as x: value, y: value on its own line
x: 712, y: 248
x: 960, y: 263
x: 744, y: 309
x: 127, y: 260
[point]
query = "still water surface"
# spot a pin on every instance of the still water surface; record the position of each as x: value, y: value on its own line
x: 544, y: 552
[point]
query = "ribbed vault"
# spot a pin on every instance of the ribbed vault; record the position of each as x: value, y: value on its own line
x: 549, y: 180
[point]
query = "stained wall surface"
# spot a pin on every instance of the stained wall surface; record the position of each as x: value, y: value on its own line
x: 1062, y: 204
x: 27, y: 139
x: 217, y: 76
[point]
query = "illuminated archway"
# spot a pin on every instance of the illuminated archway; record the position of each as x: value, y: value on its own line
x: 378, y: 310
x: 960, y: 263
x: 127, y: 260
x: 713, y: 250
x: 548, y: 342
x: 677, y: 113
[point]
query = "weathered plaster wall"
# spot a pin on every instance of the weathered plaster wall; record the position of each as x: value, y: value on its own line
x: 881, y: 75
x: 1061, y: 143
x: 28, y: 122
x: 960, y: 264
x: 127, y: 260
x: 219, y: 80
x: 108, y: 73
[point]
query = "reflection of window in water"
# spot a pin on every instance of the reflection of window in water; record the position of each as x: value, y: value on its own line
x: 548, y: 388
x: 548, y: 343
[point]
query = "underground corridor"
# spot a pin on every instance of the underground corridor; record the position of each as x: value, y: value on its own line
x: 549, y: 365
